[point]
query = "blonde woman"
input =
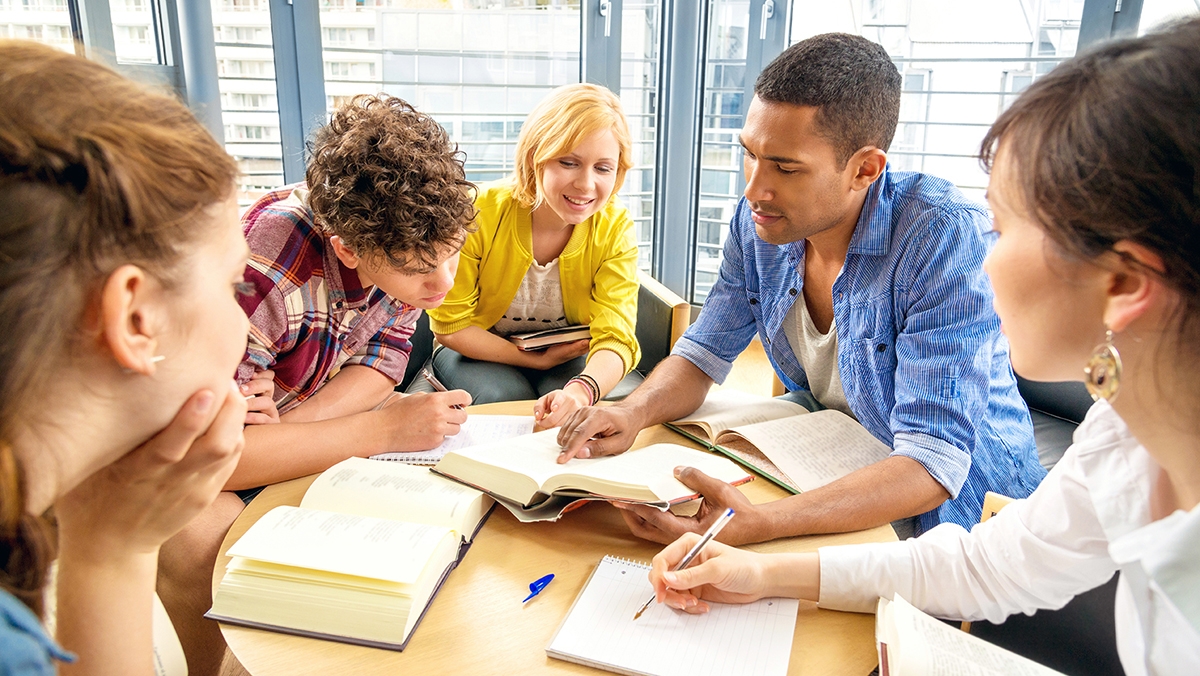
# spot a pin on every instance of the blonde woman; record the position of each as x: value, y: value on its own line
x: 1096, y: 272
x: 554, y: 247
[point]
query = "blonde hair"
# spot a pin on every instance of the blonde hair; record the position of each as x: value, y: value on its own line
x: 557, y: 126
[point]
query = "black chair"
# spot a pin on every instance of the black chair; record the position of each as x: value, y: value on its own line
x: 1056, y: 410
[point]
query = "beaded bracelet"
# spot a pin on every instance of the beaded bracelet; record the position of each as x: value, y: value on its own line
x: 589, y: 383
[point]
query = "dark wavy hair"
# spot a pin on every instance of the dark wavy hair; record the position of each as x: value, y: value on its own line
x: 95, y: 172
x: 850, y: 80
x: 388, y: 181
x: 1106, y: 148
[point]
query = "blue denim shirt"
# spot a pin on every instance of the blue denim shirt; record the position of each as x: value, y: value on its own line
x: 922, y: 361
x: 25, y: 650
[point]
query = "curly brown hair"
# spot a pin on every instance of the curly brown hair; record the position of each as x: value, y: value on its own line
x: 389, y: 182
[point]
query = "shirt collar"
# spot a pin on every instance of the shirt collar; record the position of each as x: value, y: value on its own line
x: 17, y: 615
x: 1167, y: 551
x: 873, y: 233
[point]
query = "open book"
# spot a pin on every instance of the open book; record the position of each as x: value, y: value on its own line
x: 911, y: 642
x: 781, y: 440
x: 522, y: 473
x: 359, y: 561
x: 540, y: 340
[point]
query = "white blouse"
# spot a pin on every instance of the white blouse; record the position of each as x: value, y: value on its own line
x: 1089, y: 518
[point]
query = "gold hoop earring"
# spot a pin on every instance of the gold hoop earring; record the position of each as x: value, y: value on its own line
x: 1102, y: 374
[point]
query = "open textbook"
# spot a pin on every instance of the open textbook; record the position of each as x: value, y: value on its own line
x: 359, y: 561
x: 479, y: 429
x: 781, y: 440
x: 599, y: 631
x: 522, y: 474
x: 913, y: 643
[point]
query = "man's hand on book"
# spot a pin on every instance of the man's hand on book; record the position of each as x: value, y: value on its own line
x: 592, y: 432
x: 650, y: 524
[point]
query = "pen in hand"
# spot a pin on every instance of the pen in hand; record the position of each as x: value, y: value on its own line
x: 432, y: 380
x: 695, y: 550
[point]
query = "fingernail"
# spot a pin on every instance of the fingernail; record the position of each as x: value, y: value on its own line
x: 690, y: 603
x: 245, y: 388
x: 678, y: 471
x: 585, y: 453
x: 671, y: 578
x: 204, y: 402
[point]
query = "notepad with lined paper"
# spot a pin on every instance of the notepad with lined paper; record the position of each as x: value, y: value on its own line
x: 599, y: 630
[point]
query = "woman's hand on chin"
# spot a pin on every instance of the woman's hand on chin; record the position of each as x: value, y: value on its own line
x: 135, y: 504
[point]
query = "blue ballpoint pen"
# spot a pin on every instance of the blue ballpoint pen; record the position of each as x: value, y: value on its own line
x: 687, y: 558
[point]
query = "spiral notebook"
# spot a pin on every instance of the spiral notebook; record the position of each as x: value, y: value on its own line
x: 599, y: 630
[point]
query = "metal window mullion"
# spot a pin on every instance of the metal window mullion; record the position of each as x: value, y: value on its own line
x: 299, y: 78
x: 197, y: 58
x: 683, y: 42
x: 600, y: 53
x: 96, y: 30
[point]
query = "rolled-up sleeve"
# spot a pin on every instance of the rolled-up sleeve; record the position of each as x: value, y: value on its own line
x: 388, y: 350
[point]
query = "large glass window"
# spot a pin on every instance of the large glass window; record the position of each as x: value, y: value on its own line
x: 45, y: 21
x: 249, y: 105
x: 639, y: 94
x: 477, y: 69
x: 721, y: 158
x: 135, y: 31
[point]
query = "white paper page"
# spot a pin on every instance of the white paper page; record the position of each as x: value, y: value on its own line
x: 723, y: 409
x: 816, y: 449
x: 478, y: 430
x: 533, y: 455
x: 391, y: 491
x: 753, y: 638
x: 932, y: 648
x: 654, y: 466
x: 341, y: 543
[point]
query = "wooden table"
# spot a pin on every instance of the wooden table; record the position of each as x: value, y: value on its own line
x: 477, y: 623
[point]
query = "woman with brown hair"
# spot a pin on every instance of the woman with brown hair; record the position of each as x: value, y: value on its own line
x: 1095, y: 190
x: 120, y: 259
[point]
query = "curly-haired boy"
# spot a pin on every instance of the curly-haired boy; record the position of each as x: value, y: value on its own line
x: 340, y: 269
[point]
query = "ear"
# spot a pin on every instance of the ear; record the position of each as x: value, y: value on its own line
x: 129, y: 319
x: 1135, y: 287
x: 344, y: 254
x: 868, y: 165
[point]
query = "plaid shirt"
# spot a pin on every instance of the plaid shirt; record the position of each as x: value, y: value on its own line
x: 309, y: 314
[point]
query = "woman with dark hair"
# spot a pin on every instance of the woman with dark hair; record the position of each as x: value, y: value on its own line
x: 1095, y: 190
x: 120, y: 259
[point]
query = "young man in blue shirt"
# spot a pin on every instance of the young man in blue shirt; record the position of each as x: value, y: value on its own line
x: 866, y: 288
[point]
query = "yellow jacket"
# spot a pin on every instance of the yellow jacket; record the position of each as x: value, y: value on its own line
x: 597, y: 268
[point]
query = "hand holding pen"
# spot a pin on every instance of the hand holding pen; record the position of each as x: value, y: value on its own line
x: 437, y: 385
x: 694, y: 551
x: 720, y: 573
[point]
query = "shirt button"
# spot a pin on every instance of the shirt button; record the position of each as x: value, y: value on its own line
x: 792, y: 292
x: 754, y: 301
x: 881, y: 348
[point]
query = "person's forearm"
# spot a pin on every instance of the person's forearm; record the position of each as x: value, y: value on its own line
x: 675, y: 388
x: 792, y: 576
x: 283, y: 451
x: 607, y: 368
x: 476, y: 343
x: 894, y: 488
x: 353, y: 390
x: 104, y: 611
